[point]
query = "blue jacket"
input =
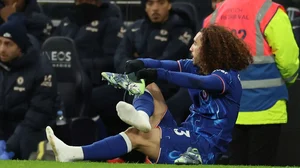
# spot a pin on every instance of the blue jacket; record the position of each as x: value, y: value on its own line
x: 27, y: 97
x: 96, y: 41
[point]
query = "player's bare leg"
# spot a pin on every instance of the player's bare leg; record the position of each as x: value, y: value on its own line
x: 147, y: 143
x: 115, y: 146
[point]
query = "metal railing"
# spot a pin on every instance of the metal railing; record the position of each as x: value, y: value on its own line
x: 133, y: 2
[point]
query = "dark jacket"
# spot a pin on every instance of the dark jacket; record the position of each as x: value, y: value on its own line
x: 37, y: 24
x: 296, y: 29
x: 27, y: 97
x: 168, y: 41
x: 96, y: 41
x: 203, y: 8
x: 144, y: 39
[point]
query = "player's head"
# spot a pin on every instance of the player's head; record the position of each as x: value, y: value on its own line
x: 214, y: 3
x: 157, y: 10
x: 215, y: 47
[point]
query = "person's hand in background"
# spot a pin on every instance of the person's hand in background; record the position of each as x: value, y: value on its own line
x: 4, y: 155
x: 7, y: 10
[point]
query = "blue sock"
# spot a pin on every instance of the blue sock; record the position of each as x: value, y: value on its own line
x: 144, y: 103
x: 108, y: 148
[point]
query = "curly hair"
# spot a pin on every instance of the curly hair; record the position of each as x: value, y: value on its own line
x: 221, y: 49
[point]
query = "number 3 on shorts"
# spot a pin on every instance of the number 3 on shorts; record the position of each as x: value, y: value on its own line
x: 182, y: 132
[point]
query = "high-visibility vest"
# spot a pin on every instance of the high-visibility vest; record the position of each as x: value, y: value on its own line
x: 262, y: 83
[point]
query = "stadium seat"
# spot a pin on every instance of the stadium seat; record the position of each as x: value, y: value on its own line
x: 83, y: 131
x: 73, y: 84
x: 189, y: 10
x: 74, y: 88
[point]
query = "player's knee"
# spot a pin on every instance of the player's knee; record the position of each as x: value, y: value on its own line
x: 153, y: 87
x: 134, y: 136
x: 155, y: 91
x: 158, y: 97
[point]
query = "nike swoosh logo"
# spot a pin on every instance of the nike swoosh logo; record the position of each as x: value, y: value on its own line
x: 134, y: 30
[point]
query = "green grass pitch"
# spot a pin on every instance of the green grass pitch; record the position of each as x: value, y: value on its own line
x: 52, y: 164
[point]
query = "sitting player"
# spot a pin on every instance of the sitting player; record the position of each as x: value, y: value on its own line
x: 215, y: 89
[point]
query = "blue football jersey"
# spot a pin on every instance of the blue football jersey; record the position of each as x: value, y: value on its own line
x: 213, y: 114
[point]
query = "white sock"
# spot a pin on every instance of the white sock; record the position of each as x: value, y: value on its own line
x: 144, y: 115
x: 62, y: 151
x: 75, y: 153
x: 131, y: 116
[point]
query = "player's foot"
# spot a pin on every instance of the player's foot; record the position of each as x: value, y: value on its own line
x: 134, y: 87
x: 190, y: 157
x: 62, y: 152
x: 131, y: 116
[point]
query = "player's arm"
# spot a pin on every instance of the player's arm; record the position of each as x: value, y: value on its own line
x: 212, y: 83
x: 280, y: 37
x: 180, y: 65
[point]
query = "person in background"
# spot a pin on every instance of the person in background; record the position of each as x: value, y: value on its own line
x: 203, y: 8
x: 37, y: 24
x: 28, y: 93
x: 267, y: 30
x: 96, y: 35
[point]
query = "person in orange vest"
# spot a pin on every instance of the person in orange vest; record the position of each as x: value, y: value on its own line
x: 267, y: 30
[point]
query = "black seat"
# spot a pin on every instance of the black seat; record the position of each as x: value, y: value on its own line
x: 75, y: 91
x: 73, y: 84
x: 189, y: 11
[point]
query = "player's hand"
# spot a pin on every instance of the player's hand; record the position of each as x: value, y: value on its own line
x: 134, y: 66
x: 7, y: 10
x: 149, y: 74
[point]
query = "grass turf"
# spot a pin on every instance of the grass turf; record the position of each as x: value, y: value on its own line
x: 52, y: 164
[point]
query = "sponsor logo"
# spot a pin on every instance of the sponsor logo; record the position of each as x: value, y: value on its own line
x: 47, y: 81
x: 20, y: 82
x: 59, y: 59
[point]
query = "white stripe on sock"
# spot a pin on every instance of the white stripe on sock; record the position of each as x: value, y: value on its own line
x: 128, y: 142
x: 146, y: 90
